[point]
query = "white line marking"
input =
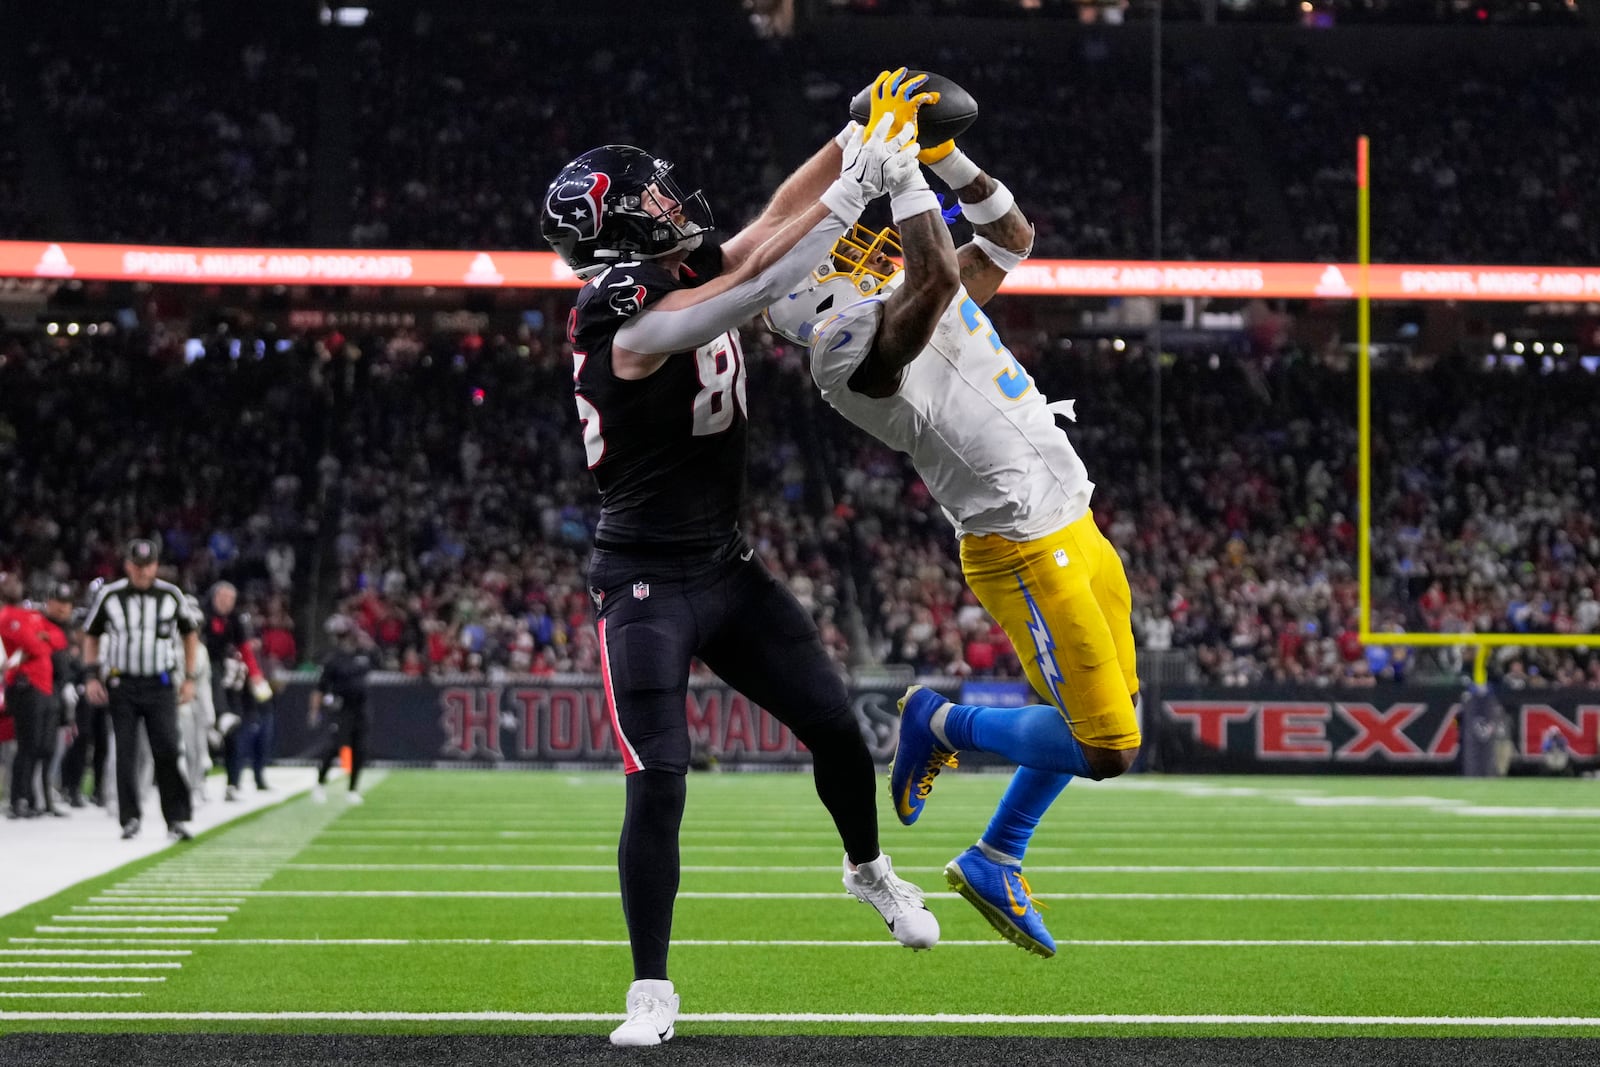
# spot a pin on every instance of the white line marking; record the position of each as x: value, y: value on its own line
x: 611, y: 868
x: 1216, y: 832
x: 818, y: 1017
x: 126, y: 929
x: 48, y: 964
x: 92, y: 951
x: 945, y: 849
x: 328, y: 942
x: 124, y: 918
x: 64, y: 996
x: 133, y: 900
x: 76, y: 978
x: 207, y: 905
x: 597, y: 894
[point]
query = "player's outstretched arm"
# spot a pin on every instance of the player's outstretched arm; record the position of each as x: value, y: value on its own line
x: 932, y: 279
x: 893, y: 95
x: 1003, y: 237
x: 687, y: 318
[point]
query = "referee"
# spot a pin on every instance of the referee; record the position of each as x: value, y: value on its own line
x: 131, y: 640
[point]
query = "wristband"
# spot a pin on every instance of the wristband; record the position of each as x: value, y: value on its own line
x: 903, y: 205
x: 844, y: 200
x: 991, y: 208
x: 999, y: 255
x: 956, y: 170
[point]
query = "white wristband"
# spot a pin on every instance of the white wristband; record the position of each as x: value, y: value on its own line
x: 844, y: 200
x: 999, y: 255
x: 903, y: 205
x: 991, y: 208
x: 956, y: 170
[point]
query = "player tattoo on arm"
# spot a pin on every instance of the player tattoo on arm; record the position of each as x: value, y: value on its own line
x: 980, y: 276
x: 912, y: 311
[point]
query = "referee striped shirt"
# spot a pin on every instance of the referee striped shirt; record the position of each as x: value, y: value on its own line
x: 140, y: 629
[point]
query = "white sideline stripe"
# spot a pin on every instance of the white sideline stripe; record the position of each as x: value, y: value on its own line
x: 91, y: 951
x: 392, y: 942
x: 153, y: 907
x: 126, y: 929
x: 77, y: 978
x: 1297, y: 834
x: 946, y: 849
x: 813, y: 1017
x: 57, y: 964
x: 140, y: 900
x: 588, y: 894
x: 611, y: 868
x: 64, y: 996
x: 138, y: 919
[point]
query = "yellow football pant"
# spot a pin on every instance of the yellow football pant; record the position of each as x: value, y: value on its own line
x: 1063, y: 599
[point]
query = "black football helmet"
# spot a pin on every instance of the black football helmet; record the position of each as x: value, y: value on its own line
x: 596, y: 213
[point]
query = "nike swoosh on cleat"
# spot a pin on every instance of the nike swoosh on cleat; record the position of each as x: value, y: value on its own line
x: 1016, y: 909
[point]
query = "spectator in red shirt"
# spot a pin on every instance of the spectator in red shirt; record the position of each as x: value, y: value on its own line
x: 29, y: 683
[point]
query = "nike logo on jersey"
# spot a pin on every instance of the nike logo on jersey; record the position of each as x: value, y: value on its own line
x: 627, y: 279
x: 746, y: 554
x: 844, y: 339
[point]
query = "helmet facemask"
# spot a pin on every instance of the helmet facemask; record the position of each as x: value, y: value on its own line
x: 862, y: 264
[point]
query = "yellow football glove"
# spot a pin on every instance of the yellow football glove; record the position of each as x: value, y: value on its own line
x: 932, y: 155
x: 893, y: 93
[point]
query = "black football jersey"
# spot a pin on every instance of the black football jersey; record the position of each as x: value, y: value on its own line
x: 667, y: 451
x: 344, y: 673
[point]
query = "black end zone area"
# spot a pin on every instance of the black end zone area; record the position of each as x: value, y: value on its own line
x: 228, y: 1050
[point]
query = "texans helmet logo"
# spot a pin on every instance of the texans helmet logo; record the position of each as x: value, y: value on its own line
x: 629, y: 301
x: 578, y: 204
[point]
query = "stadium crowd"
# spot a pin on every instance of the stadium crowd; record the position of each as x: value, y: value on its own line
x: 441, y: 477
x: 447, y: 132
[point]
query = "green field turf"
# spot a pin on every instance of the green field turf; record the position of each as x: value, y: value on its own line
x: 1306, y: 905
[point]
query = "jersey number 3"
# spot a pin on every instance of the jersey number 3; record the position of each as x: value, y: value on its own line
x: 1012, y: 382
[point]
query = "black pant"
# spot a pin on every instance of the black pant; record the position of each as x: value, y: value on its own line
x: 251, y: 740
x: 727, y: 608
x: 351, y: 725
x: 94, y: 728
x: 30, y: 710
x: 154, y: 701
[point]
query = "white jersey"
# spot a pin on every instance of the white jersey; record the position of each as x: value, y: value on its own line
x: 969, y: 416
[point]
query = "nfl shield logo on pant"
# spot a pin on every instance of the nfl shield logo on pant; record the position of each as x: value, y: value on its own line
x: 641, y: 590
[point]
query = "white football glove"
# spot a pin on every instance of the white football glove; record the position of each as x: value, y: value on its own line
x: 863, y: 176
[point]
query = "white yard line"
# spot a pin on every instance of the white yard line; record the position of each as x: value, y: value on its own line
x: 138, y: 919
x: 75, y: 965
x: 995, y: 942
x: 587, y: 894
x: 820, y: 1017
x: 76, y: 995
x: 76, y: 978
x: 119, y: 952
x: 108, y: 930
x: 611, y: 868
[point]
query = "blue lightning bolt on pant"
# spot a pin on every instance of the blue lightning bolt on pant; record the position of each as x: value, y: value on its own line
x: 1064, y: 602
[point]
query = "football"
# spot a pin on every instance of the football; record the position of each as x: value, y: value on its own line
x: 936, y: 123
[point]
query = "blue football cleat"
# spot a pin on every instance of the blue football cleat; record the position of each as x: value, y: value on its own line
x: 1001, y: 894
x: 918, y: 758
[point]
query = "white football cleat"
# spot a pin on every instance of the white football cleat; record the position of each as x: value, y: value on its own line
x: 897, y: 900
x: 319, y: 795
x: 652, y: 1014
x: 354, y: 798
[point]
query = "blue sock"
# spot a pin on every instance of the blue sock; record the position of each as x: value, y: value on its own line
x: 1035, y: 736
x: 1025, y: 801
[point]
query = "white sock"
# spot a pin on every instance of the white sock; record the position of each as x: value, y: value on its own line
x: 995, y: 855
x: 936, y: 724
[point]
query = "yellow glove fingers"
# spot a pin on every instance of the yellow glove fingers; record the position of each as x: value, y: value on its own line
x: 936, y: 153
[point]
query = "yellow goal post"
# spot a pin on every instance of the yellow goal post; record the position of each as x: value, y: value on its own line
x: 1482, y: 642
